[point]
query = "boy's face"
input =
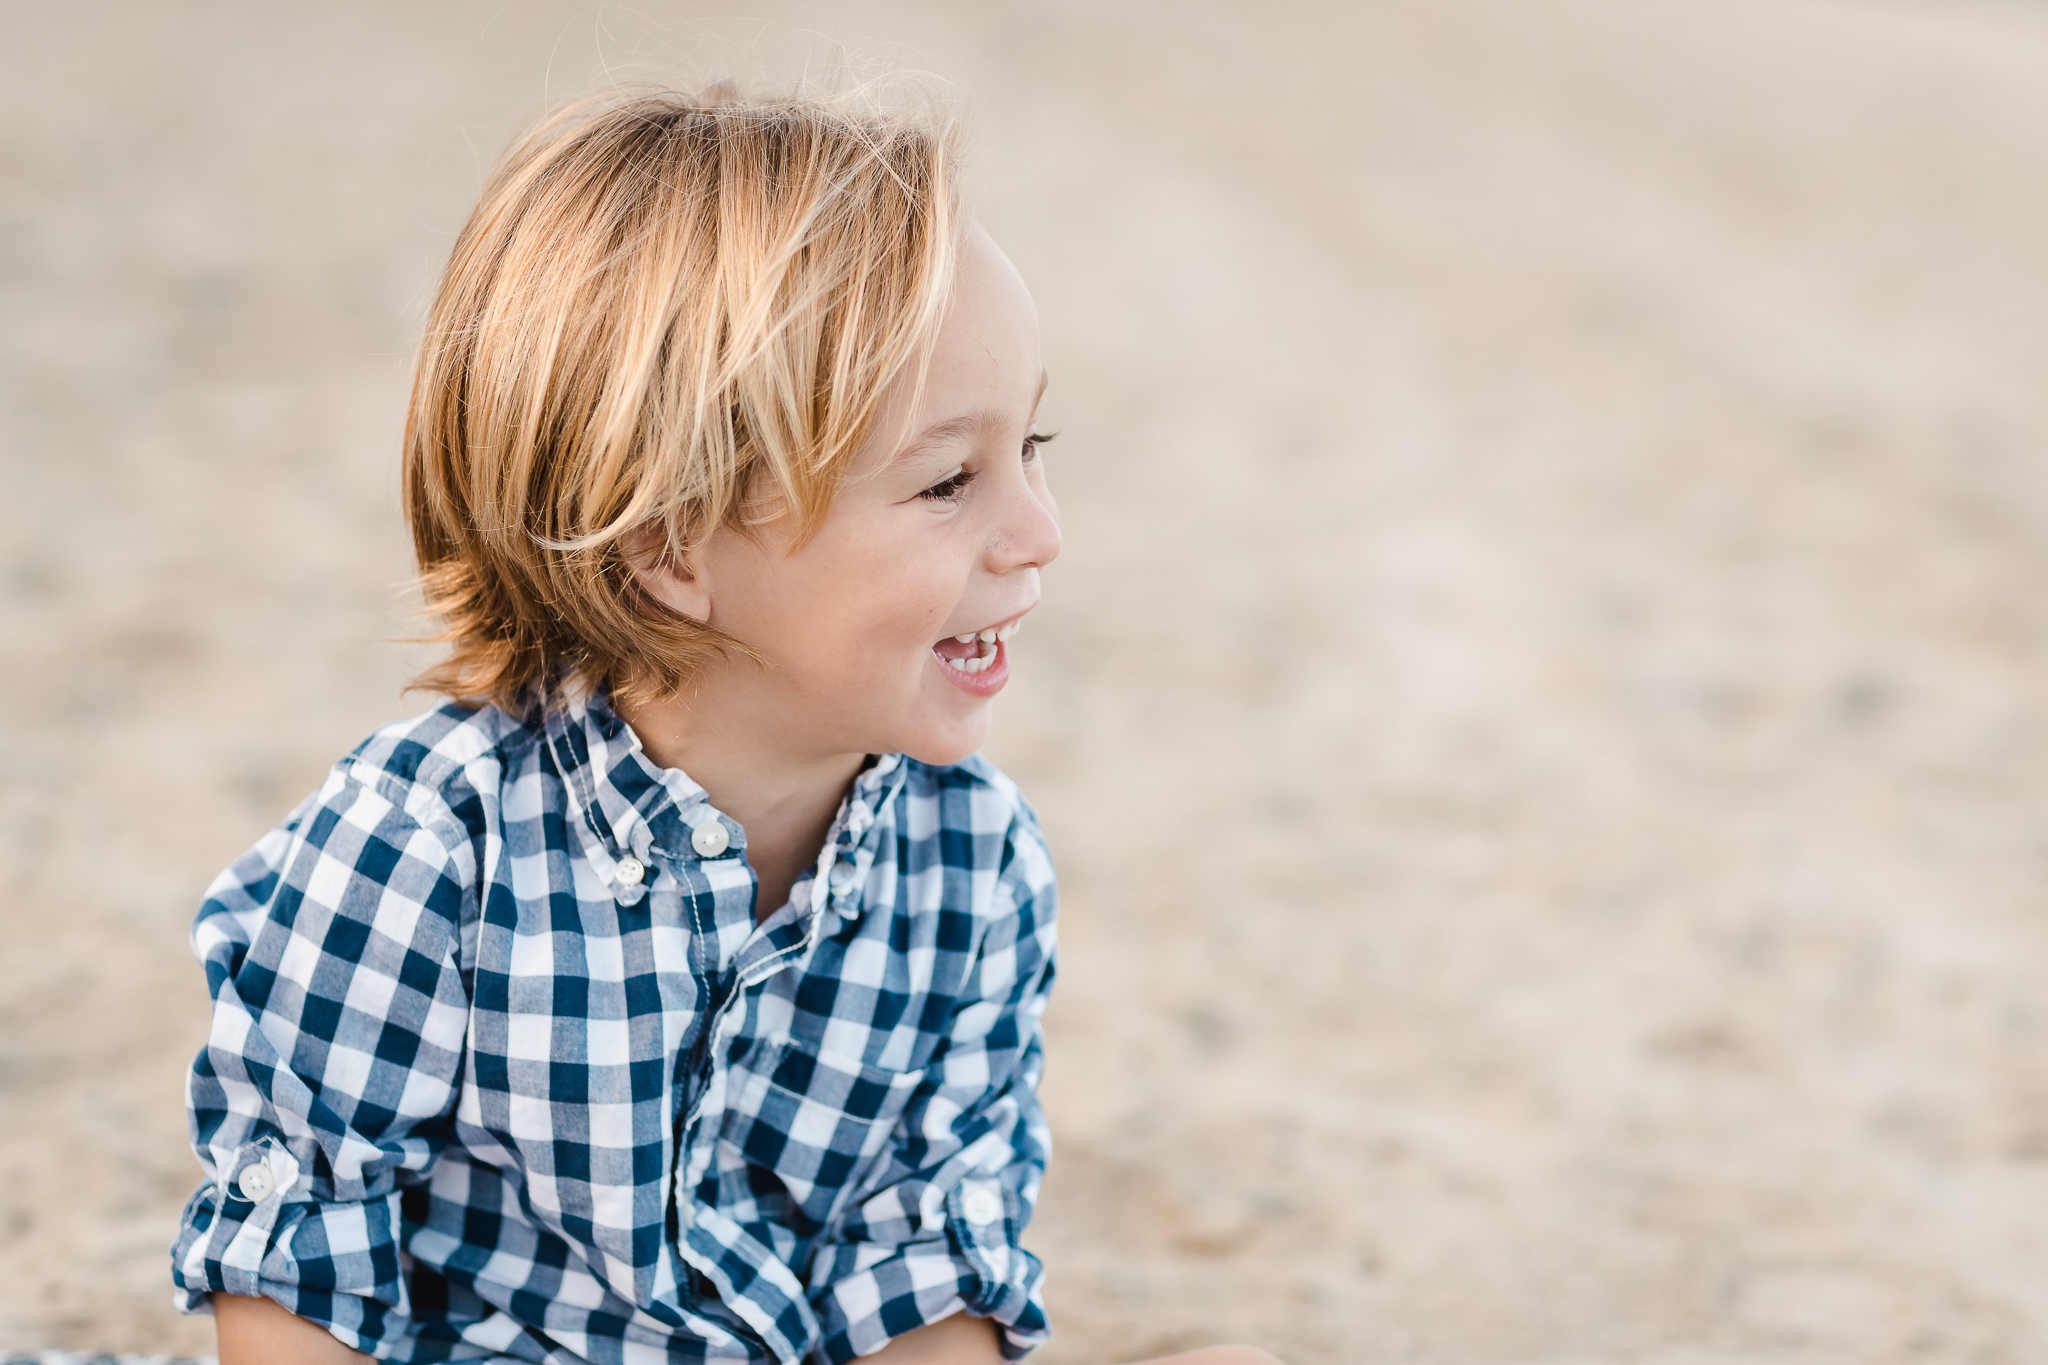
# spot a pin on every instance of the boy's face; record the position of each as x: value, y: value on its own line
x: 939, y: 532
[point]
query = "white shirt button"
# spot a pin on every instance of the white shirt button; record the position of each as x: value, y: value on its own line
x: 629, y: 871
x: 842, y: 877
x: 709, y: 839
x: 981, y: 1205
x: 256, y: 1182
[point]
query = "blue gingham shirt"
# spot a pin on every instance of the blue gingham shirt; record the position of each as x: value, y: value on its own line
x: 502, y: 1067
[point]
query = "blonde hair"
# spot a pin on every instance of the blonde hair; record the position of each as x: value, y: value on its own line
x: 666, y: 312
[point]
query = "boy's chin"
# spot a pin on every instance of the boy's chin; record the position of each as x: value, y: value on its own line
x: 953, y: 744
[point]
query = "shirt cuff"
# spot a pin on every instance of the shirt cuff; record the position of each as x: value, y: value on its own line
x: 876, y: 1293
x: 335, y: 1265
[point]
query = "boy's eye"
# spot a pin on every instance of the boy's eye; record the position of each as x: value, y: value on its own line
x: 950, y: 487
x: 954, y: 484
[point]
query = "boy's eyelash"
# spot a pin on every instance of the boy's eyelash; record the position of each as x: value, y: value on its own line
x: 1035, y: 440
x: 950, y: 487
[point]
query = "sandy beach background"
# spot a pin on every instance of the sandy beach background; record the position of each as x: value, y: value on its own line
x: 1541, y: 714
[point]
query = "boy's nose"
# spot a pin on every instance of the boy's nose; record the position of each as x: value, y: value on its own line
x: 1030, y: 534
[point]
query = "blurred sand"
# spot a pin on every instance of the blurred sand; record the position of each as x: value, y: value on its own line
x: 1541, y: 713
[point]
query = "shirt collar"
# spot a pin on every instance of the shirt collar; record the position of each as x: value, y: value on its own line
x: 633, y: 806
x: 628, y: 803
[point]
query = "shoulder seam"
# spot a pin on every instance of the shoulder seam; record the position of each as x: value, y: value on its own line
x: 429, y: 783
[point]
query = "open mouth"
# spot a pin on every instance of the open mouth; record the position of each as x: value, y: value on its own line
x: 976, y: 653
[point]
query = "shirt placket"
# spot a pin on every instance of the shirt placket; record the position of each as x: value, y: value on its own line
x: 834, y: 883
x: 632, y: 842
x: 712, y: 915
x: 773, y: 1302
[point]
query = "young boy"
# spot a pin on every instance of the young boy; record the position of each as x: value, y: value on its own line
x: 674, y: 993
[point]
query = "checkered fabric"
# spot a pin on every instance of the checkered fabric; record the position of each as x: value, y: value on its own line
x: 502, y: 1067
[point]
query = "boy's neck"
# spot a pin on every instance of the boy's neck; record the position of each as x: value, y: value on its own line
x: 784, y: 800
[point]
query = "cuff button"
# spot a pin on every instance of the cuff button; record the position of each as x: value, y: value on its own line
x: 256, y: 1183
x: 981, y: 1206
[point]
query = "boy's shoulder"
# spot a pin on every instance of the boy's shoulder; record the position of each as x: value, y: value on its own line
x: 440, y: 757
x: 977, y: 807
x: 972, y: 785
x: 973, y: 771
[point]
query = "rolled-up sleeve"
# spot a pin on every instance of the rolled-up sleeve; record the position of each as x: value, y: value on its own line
x: 940, y: 1234
x: 333, y: 954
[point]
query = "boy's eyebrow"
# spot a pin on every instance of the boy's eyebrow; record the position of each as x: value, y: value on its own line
x: 967, y: 424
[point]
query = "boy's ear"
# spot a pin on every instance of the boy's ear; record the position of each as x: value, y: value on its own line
x: 665, y: 575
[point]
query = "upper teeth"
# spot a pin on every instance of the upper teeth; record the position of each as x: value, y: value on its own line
x: 989, y: 636
x: 981, y: 640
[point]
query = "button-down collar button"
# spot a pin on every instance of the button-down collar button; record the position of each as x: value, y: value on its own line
x: 842, y: 877
x: 709, y: 839
x: 981, y: 1206
x: 256, y: 1182
x: 629, y: 871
